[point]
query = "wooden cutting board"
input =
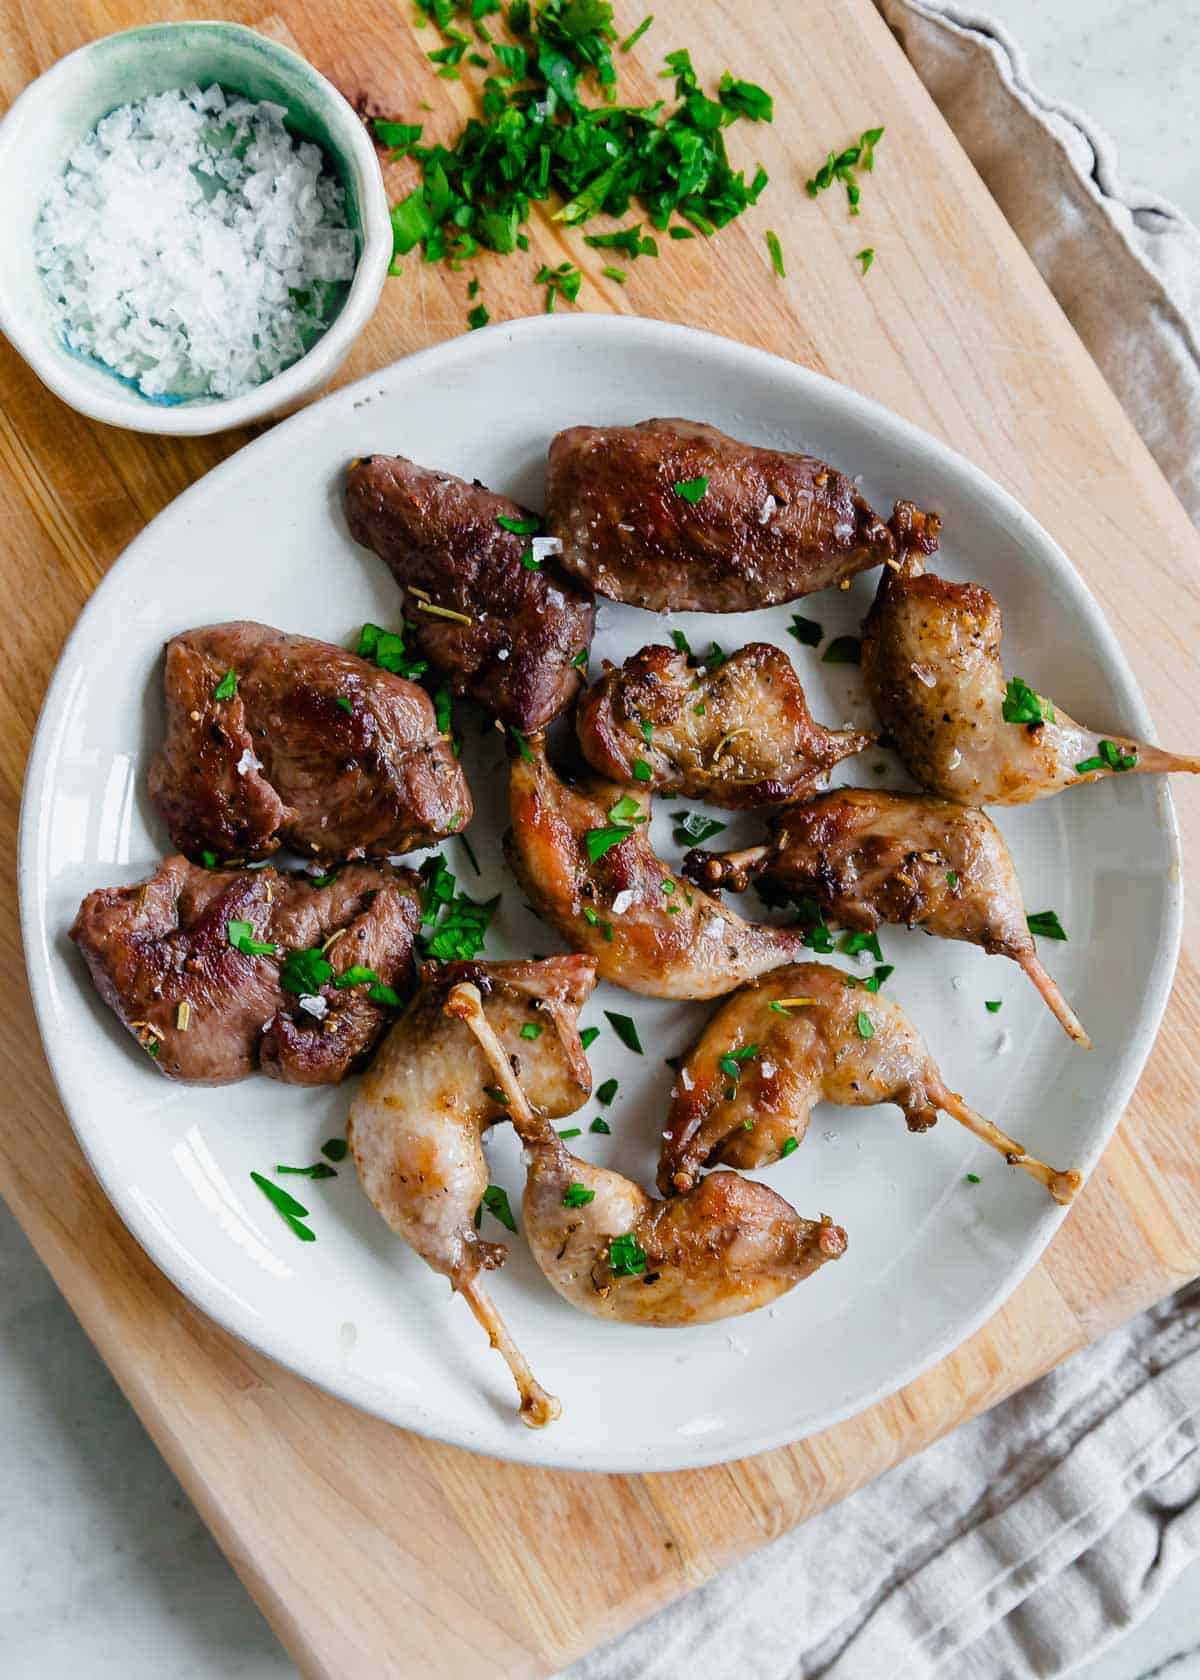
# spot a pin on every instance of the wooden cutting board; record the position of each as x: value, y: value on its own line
x: 378, y: 1554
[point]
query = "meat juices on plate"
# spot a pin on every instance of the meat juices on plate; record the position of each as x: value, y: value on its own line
x: 305, y: 745
x: 675, y: 516
x: 208, y: 1012
x: 501, y: 626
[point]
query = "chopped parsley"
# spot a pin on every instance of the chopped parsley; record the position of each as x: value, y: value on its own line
x: 952, y: 880
x: 346, y: 704
x: 789, y: 1148
x: 292, y: 1212
x: 806, y: 630
x: 626, y: 1030
x: 305, y: 972
x: 563, y: 281
x: 973, y: 1178
x: 381, y: 994
x: 459, y: 922
x: 693, y: 829
x: 335, y: 1148
x: 631, y: 241
x: 681, y: 642
x: 208, y: 859
x: 993, y: 1005
x: 854, y: 944
x: 617, y: 274
x: 1044, y: 924
x: 495, y: 1200
x: 529, y: 527
x: 227, y: 687
x: 522, y: 743
x: 588, y: 1037
x: 840, y: 166
x: 866, y: 257
x: 731, y: 1064
x: 326, y: 880
x: 1022, y: 705
x: 399, y: 136
x: 776, y: 250
x: 319, y: 1169
x: 843, y: 650
x: 601, y: 840
x: 386, y: 649
x: 606, y: 1092
x: 356, y: 975
x: 241, y: 936
x: 1111, y: 758
x: 571, y: 1132
x: 531, y: 1030
x: 626, y: 1256
x: 578, y: 1195
x: 642, y: 771
x: 633, y: 39
x: 599, y: 1125
x: 865, y: 1028
x: 692, y: 489
x: 478, y: 317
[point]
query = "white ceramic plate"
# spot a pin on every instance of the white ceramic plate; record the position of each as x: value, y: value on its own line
x: 931, y: 1255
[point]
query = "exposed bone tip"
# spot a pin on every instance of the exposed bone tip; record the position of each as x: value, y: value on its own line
x: 1063, y: 1186
x: 539, y: 1408
x: 832, y: 1240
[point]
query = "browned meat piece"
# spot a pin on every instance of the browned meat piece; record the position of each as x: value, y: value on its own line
x: 208, y: 1012
x: 417, y: 1122
x: 740, y: 735
x: 768, y: 526
x: 612, y: 1251
x: 868, y: 857
x: 314, y: 748
x: 595, y: 879
x: 799, y: 1035
x: 931, y: 662
x: 498, y: 631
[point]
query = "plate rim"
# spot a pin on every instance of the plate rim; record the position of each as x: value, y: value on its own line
x: 522, y: 1445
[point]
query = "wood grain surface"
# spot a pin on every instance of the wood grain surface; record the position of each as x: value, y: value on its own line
x: 378, y: 1554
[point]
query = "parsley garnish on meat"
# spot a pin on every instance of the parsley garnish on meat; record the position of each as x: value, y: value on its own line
x: 531, y: 1030
x: 692, y: 489
x: 241, y: 936
x: 305, y: 972
x: 865, y: 1028
x: 789, y: 1148
x: 386, y: 649
x: 227, y: 687
x: 537, y: 139
x: 578, y: 1195
x: 1111, y: 758
x: 731, y: 1066
x: 626, y: 1256
x: 1044, y: 924
x: 1022, y: 705
x: 459, y: 922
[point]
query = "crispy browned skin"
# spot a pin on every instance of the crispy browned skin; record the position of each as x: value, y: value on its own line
x: 770, y: 527
x: 282, y: 762
x: 440, y: 540
x: 164, y: 943
x: 812, y: 1046
x: 726, y: 1248
x: 867, y: 857
x: 931, y: 663
x: 739, y: 736
x: 648, y: 929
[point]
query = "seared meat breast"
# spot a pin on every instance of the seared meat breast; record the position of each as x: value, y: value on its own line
x: 673, y: 515
x: 209, y: 1006
x: 304, y: 745
x: 501, y: 627
x: 740, y: 735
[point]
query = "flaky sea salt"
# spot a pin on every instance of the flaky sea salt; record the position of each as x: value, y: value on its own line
x: 192, y: 245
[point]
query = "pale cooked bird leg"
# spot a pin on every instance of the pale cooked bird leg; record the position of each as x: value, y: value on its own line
x: 538, y: 1407
x: 1061, y: 1185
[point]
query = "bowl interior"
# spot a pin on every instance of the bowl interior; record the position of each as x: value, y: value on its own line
x: 65, y: 105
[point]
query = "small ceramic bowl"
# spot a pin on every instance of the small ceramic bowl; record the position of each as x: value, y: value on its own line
x: 55, y: 113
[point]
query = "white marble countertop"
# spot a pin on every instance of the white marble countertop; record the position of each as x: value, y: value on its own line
x: 106, y: 1572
